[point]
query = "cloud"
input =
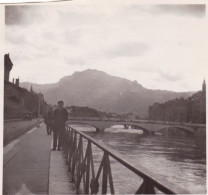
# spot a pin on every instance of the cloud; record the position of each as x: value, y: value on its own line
x: 170, y: 76
x: 195, y: 10
x: 128, y: 49
x: 180, y: 10
x: 73, y: 37
x: 48, y: 35
x: 16, y: 39
x: 22, y: 15
x: 153, y: 44
x: 13, y: 14
x: 75, y: 61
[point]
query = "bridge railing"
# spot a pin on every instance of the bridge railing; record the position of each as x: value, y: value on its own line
x: 81, y: 165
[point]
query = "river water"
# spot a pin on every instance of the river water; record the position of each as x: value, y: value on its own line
x: 178, y: 158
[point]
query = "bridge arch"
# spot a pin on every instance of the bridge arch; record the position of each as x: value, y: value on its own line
x: 184, y: 129
x: 81, y: 123
x: 139, y: 127
x: 102, y: 127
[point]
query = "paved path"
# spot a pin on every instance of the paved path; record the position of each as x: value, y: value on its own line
x: 59, y: 177
x: 27, y: 165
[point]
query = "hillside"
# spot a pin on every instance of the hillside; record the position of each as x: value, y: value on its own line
x: 96, y: 89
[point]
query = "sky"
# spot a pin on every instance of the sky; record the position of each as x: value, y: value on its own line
x: 162, y: 46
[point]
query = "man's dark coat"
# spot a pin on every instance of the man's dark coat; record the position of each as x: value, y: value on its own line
x: 60, y: 117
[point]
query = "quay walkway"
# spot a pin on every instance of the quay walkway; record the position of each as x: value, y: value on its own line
x: 30, y: 167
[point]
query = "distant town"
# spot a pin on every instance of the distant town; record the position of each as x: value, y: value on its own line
x: 192, y: 109
x: 18, y: 101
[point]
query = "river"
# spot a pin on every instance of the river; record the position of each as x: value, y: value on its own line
x: 180, y: 158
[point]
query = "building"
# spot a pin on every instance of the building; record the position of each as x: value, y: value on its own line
x: 19, y: 100
x: 198, y: 101
x: 191, y: 110
x: 7, y: 66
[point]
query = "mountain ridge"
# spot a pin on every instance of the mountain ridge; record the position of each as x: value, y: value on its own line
x: 99, y: 90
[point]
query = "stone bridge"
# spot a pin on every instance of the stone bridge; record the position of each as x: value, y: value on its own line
x: 146, y: 125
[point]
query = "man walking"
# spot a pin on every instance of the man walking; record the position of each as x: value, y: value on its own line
x: 60, y: 117
x: 48, y: 119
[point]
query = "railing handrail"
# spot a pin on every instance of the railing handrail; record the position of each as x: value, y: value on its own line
x: 158, y: 182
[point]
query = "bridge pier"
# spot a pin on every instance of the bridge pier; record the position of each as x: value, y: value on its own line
x: 100, y: 130
x: 148, y: 132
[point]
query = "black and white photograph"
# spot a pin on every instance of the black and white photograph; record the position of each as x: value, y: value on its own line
x: 104, y: 97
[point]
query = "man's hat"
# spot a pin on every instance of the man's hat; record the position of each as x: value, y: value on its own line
x: 60, y: 102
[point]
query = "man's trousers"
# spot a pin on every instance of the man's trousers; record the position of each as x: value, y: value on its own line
x: 57, y: 137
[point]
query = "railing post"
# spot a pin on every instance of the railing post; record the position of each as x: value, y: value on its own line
x: 74, y: 155
x: 104, y: 183
x: 70, y: 156
x: 147, y: 187
x: 67, y: 143
x: 79, y: 158
x: 88, y: 167
x: 110, y: 175
x: 94, y: 185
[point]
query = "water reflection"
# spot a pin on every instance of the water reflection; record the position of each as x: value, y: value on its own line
x: 179, y: 158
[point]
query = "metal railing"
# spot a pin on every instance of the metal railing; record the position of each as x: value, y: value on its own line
x: 81, y: 165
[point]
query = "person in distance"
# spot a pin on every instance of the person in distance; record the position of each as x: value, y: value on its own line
x: 60, y: 117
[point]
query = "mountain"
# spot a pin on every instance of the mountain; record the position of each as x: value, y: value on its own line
x: 96, y: 89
